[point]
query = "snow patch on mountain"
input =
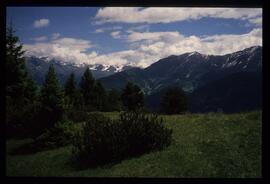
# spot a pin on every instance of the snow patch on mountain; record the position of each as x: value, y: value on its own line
x: 233, y: 63
x: 191, y: 54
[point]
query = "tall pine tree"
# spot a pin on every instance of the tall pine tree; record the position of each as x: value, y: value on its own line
x: 70, y: 91
x: 100, y: 96
x: 87, y: 89
x: 51, y: 102
x: 21, y: 91
x: 18, y: 83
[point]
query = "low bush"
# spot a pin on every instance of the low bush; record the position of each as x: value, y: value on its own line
x: 103, y: 140
x: 77, y: 115
x: 19, y: 120
x: 60, y: 135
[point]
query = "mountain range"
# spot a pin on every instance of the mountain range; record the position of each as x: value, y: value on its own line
x: 38, y: 67
x: 188, y: 71
x: 230, y: 82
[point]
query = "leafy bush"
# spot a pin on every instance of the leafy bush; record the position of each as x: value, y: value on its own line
x: 102, y: 140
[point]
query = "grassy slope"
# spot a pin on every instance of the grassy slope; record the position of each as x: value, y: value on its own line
x: 210, y: 145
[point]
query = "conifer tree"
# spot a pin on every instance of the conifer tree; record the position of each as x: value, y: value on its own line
x: 16, y: 74
x: 99, y: 96
x: 21, y: 91
x: 70, y: 90
x: 174, y: 101
x: 87, y: 88
x: 51, y: 102
x: 132, y: 97
x: 113, y: 101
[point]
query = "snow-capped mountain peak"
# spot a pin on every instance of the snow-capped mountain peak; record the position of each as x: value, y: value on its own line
x: 193, y: 53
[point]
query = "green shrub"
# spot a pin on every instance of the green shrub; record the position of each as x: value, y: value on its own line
x: 62, y: 133
x: 77, y: 115
x: 59, y: 135
x: 103, y: 140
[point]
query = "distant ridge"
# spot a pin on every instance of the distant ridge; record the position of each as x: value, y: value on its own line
x: 188, y: 71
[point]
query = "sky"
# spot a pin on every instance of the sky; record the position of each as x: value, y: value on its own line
x: 133, y: 35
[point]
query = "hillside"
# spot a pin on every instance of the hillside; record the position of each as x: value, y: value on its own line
x: 234, y: 93
x: 237, y: 92
x: 205, y: 145
x: 188, y: 71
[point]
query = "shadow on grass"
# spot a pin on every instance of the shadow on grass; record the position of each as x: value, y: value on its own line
x: 80, y: 165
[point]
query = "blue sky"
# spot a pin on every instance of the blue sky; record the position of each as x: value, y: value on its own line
x: 135, y: 36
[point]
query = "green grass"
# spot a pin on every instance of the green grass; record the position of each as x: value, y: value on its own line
x: 205, y: 145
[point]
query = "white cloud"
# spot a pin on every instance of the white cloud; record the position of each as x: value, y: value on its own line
x: 67, y: 49
x: 153, y: 36
x: 256, y: 21
x: 55, y: 36
x: 153, y: 46
x: 168, y: 15
x: 215, y: 45
x: 102, y: 30
x: 40, y: 39
x: 99, y: 30
x: 41, y: 23
x: 158, y: 46
x: 116, y: 34
x: 72, y: 43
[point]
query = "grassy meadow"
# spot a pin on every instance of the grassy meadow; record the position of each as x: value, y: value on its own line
x: 204, y: 145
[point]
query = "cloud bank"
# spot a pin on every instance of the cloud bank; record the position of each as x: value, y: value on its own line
x: 168, y: 15
x: 147, y: 47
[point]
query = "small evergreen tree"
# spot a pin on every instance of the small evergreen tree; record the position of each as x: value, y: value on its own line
x: 132, y: 97
x: 174, y: 101
x: 87, y: 88
x: 70, y: 91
